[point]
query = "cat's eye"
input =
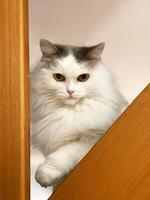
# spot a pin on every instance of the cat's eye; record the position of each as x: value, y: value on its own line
x: 83, y: 77
x: 59, y: 77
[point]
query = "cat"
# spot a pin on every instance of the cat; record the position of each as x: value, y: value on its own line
x: 74, y: 100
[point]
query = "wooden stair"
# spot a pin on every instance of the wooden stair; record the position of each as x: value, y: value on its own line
x: 118, y: 166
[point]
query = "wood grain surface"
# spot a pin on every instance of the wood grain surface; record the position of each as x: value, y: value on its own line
x: 14, y: 101
x: 118, y: 167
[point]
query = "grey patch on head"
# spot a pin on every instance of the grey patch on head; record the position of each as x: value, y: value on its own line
x: 91, y: 55
x: 51, y: 52
x: 82, y: 55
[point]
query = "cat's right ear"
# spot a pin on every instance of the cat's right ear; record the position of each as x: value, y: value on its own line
x: 47, y: 48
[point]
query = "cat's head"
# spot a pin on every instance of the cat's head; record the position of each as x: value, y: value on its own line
x: 68, y: 74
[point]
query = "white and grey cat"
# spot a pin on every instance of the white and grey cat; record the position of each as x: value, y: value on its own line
x: 74, y: 100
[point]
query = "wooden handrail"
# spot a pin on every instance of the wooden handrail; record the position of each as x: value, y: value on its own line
x: 14, y: 101
x: 118, y: 166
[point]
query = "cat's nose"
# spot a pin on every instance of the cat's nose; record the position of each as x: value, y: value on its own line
x: 70, y: 91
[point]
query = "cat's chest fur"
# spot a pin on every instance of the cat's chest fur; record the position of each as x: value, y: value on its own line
x: 65, y: 124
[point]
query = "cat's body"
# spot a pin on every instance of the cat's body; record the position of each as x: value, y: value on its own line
x: 74, y: 100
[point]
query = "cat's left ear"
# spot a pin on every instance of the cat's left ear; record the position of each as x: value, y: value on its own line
x: 96, y: 51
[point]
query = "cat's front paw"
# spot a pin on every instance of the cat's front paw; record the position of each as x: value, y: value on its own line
x: 47, y: 175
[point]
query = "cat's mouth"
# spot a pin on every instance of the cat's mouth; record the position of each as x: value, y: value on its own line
x: 71, y: 100
x: 71, y: 97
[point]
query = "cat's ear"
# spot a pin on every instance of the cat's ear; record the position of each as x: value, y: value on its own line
x: 47, y: 48
x: 96, y: 51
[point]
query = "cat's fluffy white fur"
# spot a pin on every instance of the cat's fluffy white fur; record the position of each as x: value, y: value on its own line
x: 63, y: 128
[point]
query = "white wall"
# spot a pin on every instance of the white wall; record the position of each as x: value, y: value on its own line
x: 123, y: 24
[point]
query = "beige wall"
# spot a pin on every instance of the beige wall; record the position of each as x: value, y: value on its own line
x: 123, y: 24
